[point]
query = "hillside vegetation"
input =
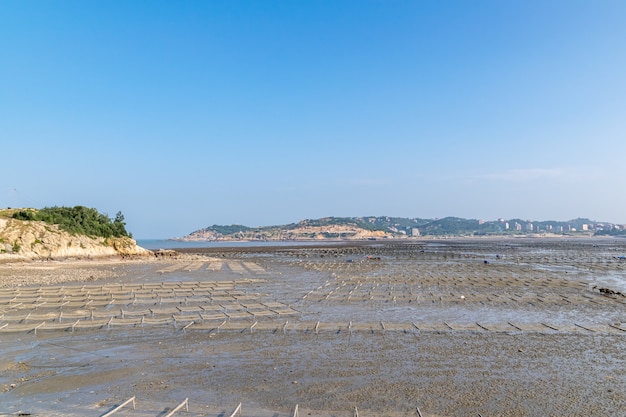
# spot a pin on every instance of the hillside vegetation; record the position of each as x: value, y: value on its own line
x: 61, y: 232
x: 398, y: 227
x: 78, y: 220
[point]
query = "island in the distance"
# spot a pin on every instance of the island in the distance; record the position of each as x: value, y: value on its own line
x: 384, y: 227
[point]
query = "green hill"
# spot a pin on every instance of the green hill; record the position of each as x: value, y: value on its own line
x: 398, y: 227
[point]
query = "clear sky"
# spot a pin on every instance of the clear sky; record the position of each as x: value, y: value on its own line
x: 184, y: 114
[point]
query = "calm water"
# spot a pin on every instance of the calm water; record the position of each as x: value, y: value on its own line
x: 154, y: 244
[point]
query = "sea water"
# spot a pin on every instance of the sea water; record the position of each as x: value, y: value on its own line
x: 155, y: 244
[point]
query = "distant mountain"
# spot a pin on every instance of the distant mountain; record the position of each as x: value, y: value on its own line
x: 360, y: 228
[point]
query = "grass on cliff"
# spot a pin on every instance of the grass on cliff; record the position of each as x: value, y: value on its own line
x: 78, y: 220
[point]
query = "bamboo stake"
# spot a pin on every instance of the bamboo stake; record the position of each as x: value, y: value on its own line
x: 120, y: 406
x: 550, y: 327
x: 181, y: 405
x: 583, y: 327
x: 481, y: 326
x: 511, y: 324
x: 237, y: 410
x: 38, y: 326
x: 220, y: 326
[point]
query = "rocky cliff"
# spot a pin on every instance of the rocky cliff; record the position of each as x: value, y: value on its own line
x: 24, y: 240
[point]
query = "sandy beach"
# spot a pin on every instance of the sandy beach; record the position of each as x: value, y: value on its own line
x: 491, y: 327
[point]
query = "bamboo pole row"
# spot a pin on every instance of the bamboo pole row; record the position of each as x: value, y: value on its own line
x: 186, y: 323
x: 238, y: 411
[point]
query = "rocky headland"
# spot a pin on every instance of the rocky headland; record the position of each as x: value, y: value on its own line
x: 22, y: 240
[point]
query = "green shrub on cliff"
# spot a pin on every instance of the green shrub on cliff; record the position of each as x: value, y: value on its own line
x: 24, y: 215
x: 78, y: 220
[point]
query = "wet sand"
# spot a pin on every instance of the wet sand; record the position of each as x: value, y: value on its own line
x: 381, y: 326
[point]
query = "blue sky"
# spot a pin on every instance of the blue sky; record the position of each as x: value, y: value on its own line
x: 191, y: 113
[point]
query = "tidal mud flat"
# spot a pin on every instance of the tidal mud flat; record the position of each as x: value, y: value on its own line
x: 496, y: 327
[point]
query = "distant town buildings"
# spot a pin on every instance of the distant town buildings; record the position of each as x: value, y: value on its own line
x: 573, y: 226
